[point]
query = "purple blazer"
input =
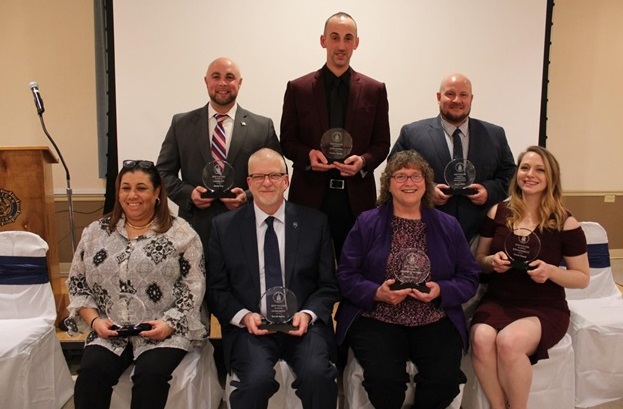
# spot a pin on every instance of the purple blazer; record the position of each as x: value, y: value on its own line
x: 364, y: 260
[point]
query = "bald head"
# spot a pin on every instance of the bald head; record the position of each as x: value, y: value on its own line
x: 223, y: 81
x: 454, y: 79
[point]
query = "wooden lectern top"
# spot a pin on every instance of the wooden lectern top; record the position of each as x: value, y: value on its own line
x: 47, y: 153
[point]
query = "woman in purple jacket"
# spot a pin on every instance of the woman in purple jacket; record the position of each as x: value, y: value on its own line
x: 404, y: 272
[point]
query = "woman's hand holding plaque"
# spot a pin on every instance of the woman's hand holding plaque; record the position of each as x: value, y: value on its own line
x: 522, y: 246
x: 414, y: 271
x: 127, y: 312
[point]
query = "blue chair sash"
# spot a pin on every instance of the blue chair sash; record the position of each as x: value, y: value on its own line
x: 23, y: 270
x: 598, y: 256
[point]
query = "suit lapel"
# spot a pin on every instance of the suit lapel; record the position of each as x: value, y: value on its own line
x: 293, y: 232
x: 438, y: 140
x: 203, y: 131
x: 248, y: 241
x: 238, y: 135
x: 320, y: 100
x: 354, y: 94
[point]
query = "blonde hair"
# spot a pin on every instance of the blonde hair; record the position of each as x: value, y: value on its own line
x: 552, y: 212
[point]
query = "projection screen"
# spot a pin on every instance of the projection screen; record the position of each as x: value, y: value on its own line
x: 163, y: 48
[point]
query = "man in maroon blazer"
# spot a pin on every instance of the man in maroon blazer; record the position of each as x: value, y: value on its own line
x: 335, y: 97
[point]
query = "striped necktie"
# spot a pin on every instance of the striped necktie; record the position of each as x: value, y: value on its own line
x: 218, y: 144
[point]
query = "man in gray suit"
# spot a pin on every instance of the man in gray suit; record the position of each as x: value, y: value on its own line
x: 187, y: 147
x: 482, y: 143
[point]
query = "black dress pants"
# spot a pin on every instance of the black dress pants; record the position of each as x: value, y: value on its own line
x: 253, y: 358
x: 100, y: 370
x: 383, y: 350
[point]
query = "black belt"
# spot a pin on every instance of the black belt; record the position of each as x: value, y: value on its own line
x: 337, y: 184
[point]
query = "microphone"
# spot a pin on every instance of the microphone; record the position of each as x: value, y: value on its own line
x: 34, y: 87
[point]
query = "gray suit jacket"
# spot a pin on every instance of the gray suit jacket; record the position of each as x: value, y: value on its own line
x: 233, y: 281
x: 186, y: 148
x: 488, y: 151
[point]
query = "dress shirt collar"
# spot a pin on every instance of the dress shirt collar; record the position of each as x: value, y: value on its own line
x: 231, y: 113
x: 260, y: 215
x: 330, y: 77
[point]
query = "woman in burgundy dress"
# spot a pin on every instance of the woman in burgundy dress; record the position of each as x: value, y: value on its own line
x: 524, y: 311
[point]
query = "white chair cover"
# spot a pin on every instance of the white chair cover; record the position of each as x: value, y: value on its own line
x: 602, y: 283
x: 33, y: 370
x: 356, y: 397
x: 552, y: 381
x: 596, y: 327
x: 194, y: 385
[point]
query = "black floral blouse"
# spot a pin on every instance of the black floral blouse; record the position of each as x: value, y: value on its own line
x: 166, y: 271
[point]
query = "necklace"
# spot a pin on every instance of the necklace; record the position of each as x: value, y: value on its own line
x: 139, y: 227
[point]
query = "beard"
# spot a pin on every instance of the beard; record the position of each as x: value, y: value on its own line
x: 225, y: 100
x: 455, y: 119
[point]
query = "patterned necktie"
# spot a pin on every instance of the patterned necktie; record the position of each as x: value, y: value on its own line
x: 272, y: 263
x: 218, y: 144
x: 457, y: 152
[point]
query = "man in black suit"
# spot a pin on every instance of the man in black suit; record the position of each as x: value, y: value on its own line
x: 187, y: 148
x: 238, y: 275
x: 482, y: 143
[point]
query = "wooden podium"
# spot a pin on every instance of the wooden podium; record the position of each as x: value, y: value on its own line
x: 27, y: 200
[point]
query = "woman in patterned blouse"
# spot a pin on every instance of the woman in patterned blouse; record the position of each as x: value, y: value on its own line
x: 138, y: 252
x: 408, y: 243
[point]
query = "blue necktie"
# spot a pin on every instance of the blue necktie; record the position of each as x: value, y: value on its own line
x: 272, y: 264
x: 457, y: 152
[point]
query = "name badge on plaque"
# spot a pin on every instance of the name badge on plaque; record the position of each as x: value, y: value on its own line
x: 459, y: 174
x: 127, y: 312
x: 278, y: 306
x: 414, y: 271
x: 218, y: 177
x: 336, y: 144
x: 522, y: 246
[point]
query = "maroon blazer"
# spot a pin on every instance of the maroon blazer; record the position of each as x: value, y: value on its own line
x: 305, y: 118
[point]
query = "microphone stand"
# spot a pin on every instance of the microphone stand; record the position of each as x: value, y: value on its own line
x: 68, y: 189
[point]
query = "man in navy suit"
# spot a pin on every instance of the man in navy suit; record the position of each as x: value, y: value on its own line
x: 483, y: 144
x: 187, y: 148
x: 336, y: 96
x: 238, y: 275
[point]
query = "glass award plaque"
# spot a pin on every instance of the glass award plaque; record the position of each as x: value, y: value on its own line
x: 522, y: 246
x: 278, y: 306
x: 127, y: 312
x: 336, y: 144
x: 218, y: 177
x: 414, y: 271
x: 459, y: 174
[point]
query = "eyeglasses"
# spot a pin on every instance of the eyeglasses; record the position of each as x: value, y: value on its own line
x: 273, y: 177
x: 143, y: 164
x: 402, y: 178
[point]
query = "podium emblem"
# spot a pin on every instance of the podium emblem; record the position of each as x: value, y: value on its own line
x: 10, y: 207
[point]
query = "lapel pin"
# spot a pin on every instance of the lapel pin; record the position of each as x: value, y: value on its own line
x: 243, y: 123
x: 295, y: 225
